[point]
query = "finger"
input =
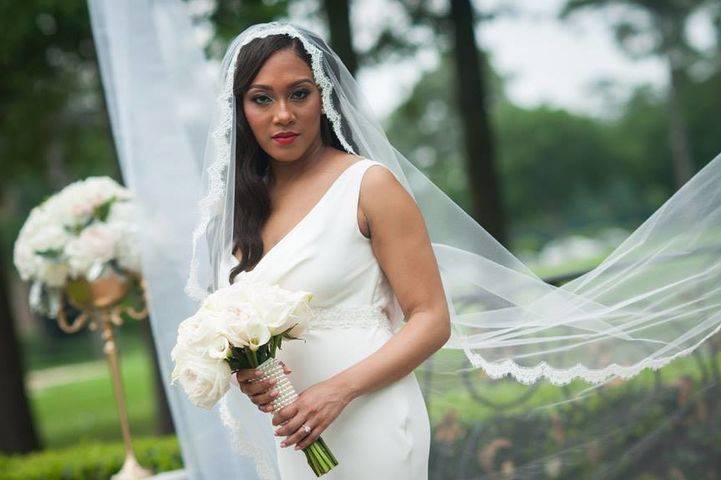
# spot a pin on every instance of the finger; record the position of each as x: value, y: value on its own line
x: 265, y: 397
x: 260, y: 388
x: 250, y: 388
x: 285, y: 413
x: 245, y: 374
x: 310, y: 438
x: 285, y: 368
x: 291, y: 428
x: 299, y: 435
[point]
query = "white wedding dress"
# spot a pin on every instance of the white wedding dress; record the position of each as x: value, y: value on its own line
x: 386, y: 433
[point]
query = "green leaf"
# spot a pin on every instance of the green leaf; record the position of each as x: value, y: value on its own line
x: 102, y: 211
x: 52, y: 253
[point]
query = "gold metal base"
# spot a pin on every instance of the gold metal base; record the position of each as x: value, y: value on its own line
x: 131, y: 470
x: 99, y: 302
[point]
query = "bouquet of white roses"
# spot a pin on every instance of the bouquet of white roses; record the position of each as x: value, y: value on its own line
x: 237, y: 327
x: 77, y: 233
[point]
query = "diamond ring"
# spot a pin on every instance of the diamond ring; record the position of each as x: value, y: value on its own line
x: 306, y: 428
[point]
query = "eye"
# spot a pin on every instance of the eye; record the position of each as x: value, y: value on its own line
x: 304, y: 93
x: 256, y: 99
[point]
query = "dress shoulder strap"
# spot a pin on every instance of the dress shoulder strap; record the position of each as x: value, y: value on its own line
x: 351, y: 195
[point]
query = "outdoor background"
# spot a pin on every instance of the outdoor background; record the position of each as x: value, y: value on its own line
x: 559, y: 125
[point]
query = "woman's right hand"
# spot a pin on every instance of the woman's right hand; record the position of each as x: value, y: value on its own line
x: 262, y: 392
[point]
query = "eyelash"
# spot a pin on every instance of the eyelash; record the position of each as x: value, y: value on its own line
x: 303, y: 91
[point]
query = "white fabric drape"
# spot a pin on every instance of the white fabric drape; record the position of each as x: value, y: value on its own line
x: 149, y: 59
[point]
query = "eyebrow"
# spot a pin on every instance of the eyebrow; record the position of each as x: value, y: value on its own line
x: 268, y: 87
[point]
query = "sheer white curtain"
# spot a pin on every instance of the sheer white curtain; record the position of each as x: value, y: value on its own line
x: 146, y: 67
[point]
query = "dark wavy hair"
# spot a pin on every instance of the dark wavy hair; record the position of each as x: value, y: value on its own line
x: 252, y: 172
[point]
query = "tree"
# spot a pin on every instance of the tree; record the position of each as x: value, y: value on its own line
x: 478, y: 136
x: 664, y: 23
x: 337, y: 13
x: 452, y: 32
x: 17, y: 431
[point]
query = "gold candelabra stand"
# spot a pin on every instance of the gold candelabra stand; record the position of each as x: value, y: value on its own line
x: 99, y: 304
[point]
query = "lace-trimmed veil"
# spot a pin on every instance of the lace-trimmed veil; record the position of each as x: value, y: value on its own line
x: 653, y: 299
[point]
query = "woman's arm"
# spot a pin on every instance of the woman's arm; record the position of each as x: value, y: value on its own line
x: 401, y: 244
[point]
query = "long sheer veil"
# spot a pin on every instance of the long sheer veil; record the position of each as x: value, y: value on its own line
x: 653, y: 299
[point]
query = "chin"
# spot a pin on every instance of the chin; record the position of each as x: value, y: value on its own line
x: 287, y: 154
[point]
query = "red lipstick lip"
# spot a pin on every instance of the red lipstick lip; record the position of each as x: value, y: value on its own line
x: 285, y: 135
x: 285, y: 138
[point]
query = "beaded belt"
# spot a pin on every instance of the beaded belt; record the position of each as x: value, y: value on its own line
x: 362, y: 316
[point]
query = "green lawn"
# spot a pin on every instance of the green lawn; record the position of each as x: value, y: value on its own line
x: 85, y: 409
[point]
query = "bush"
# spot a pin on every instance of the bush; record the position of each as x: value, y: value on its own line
x: 88, y: 461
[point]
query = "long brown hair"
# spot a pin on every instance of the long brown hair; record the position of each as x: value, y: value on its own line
x: 252, y: 172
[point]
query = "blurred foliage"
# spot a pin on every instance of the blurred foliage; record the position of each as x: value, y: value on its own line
x: 646, y: 27
x: 666, y: 432
x: 91, y: 461
x: 230, y: 17
x: 53, y: 127
x: 561, y: 172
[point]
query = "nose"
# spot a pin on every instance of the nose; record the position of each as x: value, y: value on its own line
x: 283, y: 113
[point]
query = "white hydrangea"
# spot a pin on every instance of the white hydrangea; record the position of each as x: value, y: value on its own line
x: 123, y: 218
x: 96, y: 243
x: 62, y: 239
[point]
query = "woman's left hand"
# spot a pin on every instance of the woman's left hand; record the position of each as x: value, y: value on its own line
x: 317, y: 406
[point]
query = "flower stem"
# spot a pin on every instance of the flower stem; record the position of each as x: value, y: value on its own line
x: 319, y: 457
x: 247, y: 352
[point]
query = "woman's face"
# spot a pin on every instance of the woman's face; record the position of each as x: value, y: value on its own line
x: 283, y: 97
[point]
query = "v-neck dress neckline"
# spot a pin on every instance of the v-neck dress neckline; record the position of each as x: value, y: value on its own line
x: 305, y: 217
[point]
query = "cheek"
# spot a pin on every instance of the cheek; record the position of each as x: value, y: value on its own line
x: 311, y: 113
x: 255, y: 119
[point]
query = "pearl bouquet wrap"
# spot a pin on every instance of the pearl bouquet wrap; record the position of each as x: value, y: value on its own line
x: 272, y: 369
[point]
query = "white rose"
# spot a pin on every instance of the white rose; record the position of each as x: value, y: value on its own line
x: 218, y: 347
x: 278, y: 308
x: 81, y: 210
x: 220, y: 300
x: 299, y: 328
x: 197, y: 331
x: 236, y: 319
x: 96, y: 243
x: 52, y: 237
x: 52, y: 272
x: 204, y: 380
x: 123, y: 219
x: 284, y: 309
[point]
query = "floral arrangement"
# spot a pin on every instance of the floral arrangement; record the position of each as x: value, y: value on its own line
x: 77, y: 233
x: 237, y: 327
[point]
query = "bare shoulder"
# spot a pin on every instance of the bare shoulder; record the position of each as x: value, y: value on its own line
x: 384, y: 201
x: 379, y: 177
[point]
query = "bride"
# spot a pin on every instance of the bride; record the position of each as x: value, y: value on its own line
x: 312, y: 216
x: 301, y: 187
